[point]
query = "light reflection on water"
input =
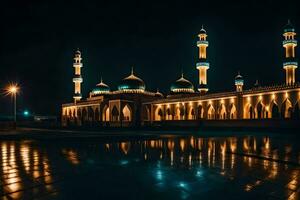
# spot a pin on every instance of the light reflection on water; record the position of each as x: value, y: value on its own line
x: 177, y: 164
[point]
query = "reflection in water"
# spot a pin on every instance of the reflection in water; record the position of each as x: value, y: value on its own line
x: 21, y: 164
x: 27, y: 164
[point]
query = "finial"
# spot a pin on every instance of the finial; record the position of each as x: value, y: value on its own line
x: 239, y: 73
x: 157, y: 90
x: 289, y: 21
x: 132, y: 70
x: 181, y: 73
x: 101, y: 81
x: 202, y: 27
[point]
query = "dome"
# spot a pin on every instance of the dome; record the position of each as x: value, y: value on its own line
x: 77, y: 52
x: 158, y: 94
x: 101, y: 88
x: 182, y: 85
x: 202, y: 31
x: 239, y: 79
x: 132, y: 84
x: 289, y: 27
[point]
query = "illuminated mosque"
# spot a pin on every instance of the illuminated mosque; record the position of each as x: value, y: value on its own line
x: 132, y: 105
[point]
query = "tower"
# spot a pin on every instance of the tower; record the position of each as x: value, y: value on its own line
x: 290, y: 63
x: 77, y: 77
x: 202, y: 65
x: 239, y: 82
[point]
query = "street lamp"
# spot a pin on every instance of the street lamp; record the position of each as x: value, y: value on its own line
x: 13, y: 90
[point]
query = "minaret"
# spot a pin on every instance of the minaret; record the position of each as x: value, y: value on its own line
x: 239, y: 82
x: 77, y: 77
x: 202, y: 65
x: 290, y: 63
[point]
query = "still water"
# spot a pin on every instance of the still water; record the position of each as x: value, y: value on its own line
x: 165, y: 167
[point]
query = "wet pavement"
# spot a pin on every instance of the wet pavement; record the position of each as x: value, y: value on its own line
x: 166, y: 167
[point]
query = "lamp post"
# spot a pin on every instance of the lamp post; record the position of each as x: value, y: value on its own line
x: 13, y: 90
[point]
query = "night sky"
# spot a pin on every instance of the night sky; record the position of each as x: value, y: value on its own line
x: 158, y: 38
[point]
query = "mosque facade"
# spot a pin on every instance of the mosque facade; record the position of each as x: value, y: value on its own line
x: 132, y: 105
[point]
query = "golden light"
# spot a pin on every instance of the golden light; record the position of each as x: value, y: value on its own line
x: 12, y: 89
x: 286, y: 95
x: 260, y: 97
x: 232, y: 100
x: 248, y: 99
x: 222, y: 101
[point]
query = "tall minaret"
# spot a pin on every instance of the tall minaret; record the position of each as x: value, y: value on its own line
x: 202, y: 65
x: 77, y: 78
x: 290, y: 63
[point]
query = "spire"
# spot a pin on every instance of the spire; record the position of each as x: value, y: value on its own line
x: 101, y: 81
x: 181, y: 73
x: 132, y: 70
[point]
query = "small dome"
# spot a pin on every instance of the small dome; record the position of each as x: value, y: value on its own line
x: 158, y: 94
x: 202, y: 30
x: 182, y: 85
x: 289, y: 27
x: 132, y: 84
x: 101, y: 88
x: 77, y: 52
x: 239, y: 79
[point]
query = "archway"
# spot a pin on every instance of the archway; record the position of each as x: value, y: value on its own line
x: 211, y: 112
x: 200, y: 112
x: 168, y: 114
x: 127, y: 114
x: 181, y: 113
x: 260, y: 110
x: 222, y: 112
x: 233, y: 112
x: 191, y: 113
x: 146, y: 113
x: 275, y: 110
x: 286, y: 109
x: 105, y: 114
x: 249, y: 112
x: 158, y: 114
x: 177, y: 113
x: 115, y: 114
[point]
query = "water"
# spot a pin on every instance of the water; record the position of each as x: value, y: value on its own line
x: 166, y: 167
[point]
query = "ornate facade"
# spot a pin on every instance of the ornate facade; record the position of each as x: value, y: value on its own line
x: 133, y: 105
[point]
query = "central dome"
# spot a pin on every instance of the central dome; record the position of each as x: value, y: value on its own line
x: 182, y: 85
x: 132, y: 84
x: 101, y: 88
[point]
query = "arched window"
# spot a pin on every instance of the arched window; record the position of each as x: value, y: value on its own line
x: 127, y: 115
x: 275, y: 110
x: 200, y: 112
x: 260, y: 110
x: 286, y: 109
x: 222, y: 112
x: 211, y: 112
x: 158, y: 114
x: 168, y: 114
x: 105, y: 114
x: 115, y: 114
x: 233, y: 112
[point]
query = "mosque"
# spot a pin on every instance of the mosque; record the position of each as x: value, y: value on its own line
x: 131, y: 105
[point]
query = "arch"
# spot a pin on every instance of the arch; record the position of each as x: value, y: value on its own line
x: 74, y: 113
x: 191, y: 114
x: 158, y: 114
x: 127, y: 113
x: 249, y: 112
x: 181, y: 112
x: 260, y: 110
x: 115, y: 114
x: 274, y: 110
x: 168, y: 114
x: 70, y: 113
x: 211, y: 112
x: 97, y: 114
x: 222, y: 112
x: 200, y: 112
x: 286, y: 109
x: 79, y: 113
x: 105, y: 114
x: 233, y: 112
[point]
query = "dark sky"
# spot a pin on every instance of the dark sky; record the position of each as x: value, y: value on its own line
x: 158, y: 38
